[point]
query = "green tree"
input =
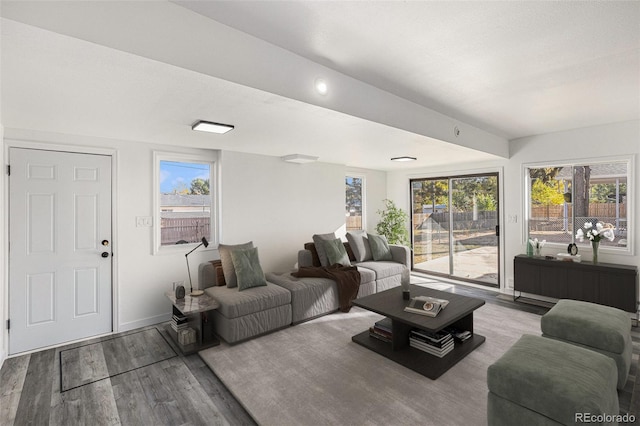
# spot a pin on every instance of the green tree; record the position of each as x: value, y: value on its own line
x: 431, y: 192
x: 606, y: 192
x: 199, y: 186
x: 353, y: 191
x: 545, y: 193
x: 393, y: 224
x: 486, y: 202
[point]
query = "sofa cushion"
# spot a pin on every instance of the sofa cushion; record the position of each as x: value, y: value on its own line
x: 360, y: 245
x: 227, y: 264
x: 248, y: 269
x: 366, y: 275
x: 379, y: 247
x: 382, y: 269
x: 234, y: 303
x: 322, y: 254
x: 336, y: 252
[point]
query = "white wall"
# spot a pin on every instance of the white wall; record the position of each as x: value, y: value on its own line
x: 593, y: 142
x: 278, y: 205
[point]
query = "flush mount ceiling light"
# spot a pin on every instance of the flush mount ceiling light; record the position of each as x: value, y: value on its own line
x: 208, y: 126
x: 299, y: 158
x: 404, y: 158
x: 321, y: 86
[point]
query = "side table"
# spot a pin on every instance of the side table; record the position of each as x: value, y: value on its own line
x: 197, y: 310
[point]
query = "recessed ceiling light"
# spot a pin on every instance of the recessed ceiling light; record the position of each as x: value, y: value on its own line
x: 299, y: 158
x: 403, y: 158
x: 208, y: 126
x: 321, y: 86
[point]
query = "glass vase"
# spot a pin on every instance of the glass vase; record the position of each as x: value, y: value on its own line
x: 536, y: 251
x: 594, y: 245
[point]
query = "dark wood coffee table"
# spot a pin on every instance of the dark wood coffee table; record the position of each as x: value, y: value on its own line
x: 459, y: 314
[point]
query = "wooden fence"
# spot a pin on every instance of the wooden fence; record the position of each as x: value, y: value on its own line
x: 190, y: 229
x: 354, y: 223
x: 484, y: 220
x: 598, y: 210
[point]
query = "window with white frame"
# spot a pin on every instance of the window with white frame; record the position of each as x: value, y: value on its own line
x: 354, y: 202
x: 562, y: 198
x: 184, y: 200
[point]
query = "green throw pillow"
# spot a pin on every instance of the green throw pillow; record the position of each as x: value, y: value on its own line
x: 336, y: 253
x: 379, y: 247
x: 227, y: 264
x: 248, y: 270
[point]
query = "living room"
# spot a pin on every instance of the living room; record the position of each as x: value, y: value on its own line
x: 64, y: 87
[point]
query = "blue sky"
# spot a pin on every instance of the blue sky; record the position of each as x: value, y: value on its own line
x: 178, y: 175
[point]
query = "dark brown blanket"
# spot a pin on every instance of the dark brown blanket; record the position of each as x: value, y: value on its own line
x: 346, y: 277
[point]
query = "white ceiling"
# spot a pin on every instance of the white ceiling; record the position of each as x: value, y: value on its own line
x: 141, y: 71
x: 513, y: 68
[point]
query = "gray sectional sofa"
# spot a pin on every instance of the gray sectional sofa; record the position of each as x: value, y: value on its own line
x: 287, y: 300
x: 313, y: 297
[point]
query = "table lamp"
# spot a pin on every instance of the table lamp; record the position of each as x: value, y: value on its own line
x: 186, y: 256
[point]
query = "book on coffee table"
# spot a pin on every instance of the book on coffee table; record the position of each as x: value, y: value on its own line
x: 425, y: 305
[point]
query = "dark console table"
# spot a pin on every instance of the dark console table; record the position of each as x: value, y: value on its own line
x: 603, y: 283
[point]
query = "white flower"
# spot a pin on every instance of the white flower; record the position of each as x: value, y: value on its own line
x: 609, y: 234
x: 596, y: 232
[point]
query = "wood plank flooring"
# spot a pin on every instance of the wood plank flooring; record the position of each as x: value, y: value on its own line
x: 178, y: 390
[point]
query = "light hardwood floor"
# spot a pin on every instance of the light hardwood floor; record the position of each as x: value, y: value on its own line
x: 178, y: 390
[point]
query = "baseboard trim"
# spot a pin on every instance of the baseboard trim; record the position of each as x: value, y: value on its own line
x: 144, y: 322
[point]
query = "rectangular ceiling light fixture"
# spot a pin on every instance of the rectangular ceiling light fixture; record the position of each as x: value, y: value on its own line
x: 404, y: 158
x: 299, y: 158
x: 208, y: 126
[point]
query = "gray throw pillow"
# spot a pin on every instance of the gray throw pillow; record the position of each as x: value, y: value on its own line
x: 380, y: 247
x: 336, y: 253
x: 228, y: 270
x: 360, y: 245
x: 248, y: 269
x: 322, y: 254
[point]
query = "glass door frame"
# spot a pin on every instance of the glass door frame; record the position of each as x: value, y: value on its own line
x: 449, y: 179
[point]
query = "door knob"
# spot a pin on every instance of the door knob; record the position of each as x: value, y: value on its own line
x: 105, y: 254
x: 105, y: 243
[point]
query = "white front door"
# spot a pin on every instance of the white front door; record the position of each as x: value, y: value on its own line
x: 59, y: 247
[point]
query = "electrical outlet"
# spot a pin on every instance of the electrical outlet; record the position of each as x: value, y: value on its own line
x: 144, y: 221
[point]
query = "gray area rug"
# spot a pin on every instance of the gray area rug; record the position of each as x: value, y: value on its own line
x: 98, y: 361
x: 313, y: 374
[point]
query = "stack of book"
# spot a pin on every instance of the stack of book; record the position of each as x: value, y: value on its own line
x: 179, y: 322
x: 438, y: 344
x: 459, y: 335
x: 381, y: 330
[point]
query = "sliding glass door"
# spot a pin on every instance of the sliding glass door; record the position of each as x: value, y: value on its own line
x: 455, y: 227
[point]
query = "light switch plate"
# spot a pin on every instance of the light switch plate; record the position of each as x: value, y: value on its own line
x: 144, y: 221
